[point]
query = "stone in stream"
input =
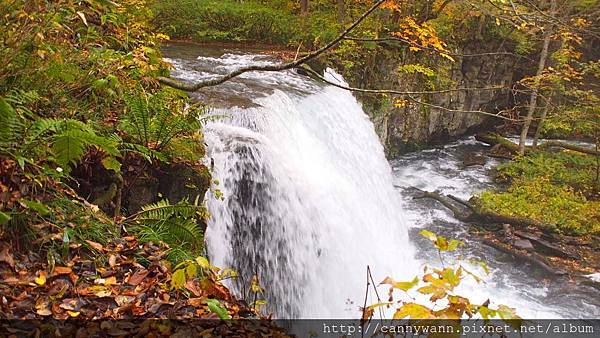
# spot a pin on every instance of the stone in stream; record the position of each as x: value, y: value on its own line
x: 474, y: 160
x: 524, y: 244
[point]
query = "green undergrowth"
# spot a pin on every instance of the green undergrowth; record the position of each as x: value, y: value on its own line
x: 82, y: 117
x: 235, y: 21
x: 559, y: 189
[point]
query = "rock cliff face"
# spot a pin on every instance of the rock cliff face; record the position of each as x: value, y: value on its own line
x: 404, y: 129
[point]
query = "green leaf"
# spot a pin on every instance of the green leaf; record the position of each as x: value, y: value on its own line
x: 68, y: 148
x: 454, y: 244
x: 404, y: 286
x: 452, y: 277
x: 111, y: 163
x: 4, y: 218
x: 36, y: 206
x: 486, y: 313
x: 178, y: 279
x: 216, y: 307
x: 191, y: 271
x: 509, y: 316
x: 203, y: 262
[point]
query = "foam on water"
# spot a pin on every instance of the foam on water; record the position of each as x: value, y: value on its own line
x: 309, y: 201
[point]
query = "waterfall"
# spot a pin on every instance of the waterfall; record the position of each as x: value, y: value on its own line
x: 308, y: 200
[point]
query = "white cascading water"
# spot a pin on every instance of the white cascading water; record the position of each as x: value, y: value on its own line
x: 309, y: 202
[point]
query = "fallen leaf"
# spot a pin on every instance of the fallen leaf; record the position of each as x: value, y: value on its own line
x: 70, y: 304
x: 62, y: 270
x: 197, y: 302
x: 7, y: 257
x: 194, y: 288
x: 95, y: 245
x: 82, y: 16
x: 41, y: 278
x: 44, y: 312
x: 137, y: 277
x: 122, y: 300
x: 112, y: 261
x: 42, y: 307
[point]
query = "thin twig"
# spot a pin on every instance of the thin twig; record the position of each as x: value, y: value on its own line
x: 269, y: 68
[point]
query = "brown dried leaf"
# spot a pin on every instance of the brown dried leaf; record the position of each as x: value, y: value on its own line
x: 95, y: 245
x: 62, y: 270
x: 7, y: 257
x: 137, y: 277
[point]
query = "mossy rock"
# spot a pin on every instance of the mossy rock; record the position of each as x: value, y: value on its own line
x: 181, y: 181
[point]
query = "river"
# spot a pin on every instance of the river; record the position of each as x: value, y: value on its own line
x: 309, y: 199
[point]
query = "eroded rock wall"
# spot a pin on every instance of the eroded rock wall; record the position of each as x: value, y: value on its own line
x: 413, y: 126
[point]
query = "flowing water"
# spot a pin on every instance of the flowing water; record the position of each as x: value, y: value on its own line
x: 309, y: 199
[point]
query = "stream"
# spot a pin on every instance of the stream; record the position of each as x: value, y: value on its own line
x: 309, y: 199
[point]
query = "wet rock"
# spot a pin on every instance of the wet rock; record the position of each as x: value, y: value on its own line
x: 143, y: 191
x: 180, y: 181
x: 474, y: 160
x: 400, y: 126
x: 523, y: 244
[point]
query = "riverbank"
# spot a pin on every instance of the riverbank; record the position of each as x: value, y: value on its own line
x: 531, y: 289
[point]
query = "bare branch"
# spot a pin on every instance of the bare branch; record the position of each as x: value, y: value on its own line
x: 397, y: 39
x: 271, y: 68
x: 407, y: 95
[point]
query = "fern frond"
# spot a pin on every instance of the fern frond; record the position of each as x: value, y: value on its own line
x: 68, y: 147
x: 138, y: 117
x: 177, y: 225
x: 11, y: 125
x: 163, y: 209
x: 41, y: 127
x: 185, y: 231
x: 145, y: 152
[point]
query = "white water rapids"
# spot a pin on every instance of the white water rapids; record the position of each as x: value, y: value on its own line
x: 309, y: 199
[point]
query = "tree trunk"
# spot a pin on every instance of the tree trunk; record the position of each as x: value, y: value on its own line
x: 538, y: 129
x: 494, y: 139
x: 536, y: 86
x: 304, y: 7
x: 341, y: 10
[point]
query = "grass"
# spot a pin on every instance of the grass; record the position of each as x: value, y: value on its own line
x: 249, y: 21
x: 558, y: 189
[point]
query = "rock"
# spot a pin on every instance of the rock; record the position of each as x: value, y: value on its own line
x: 179, y: 181
x: 523, y: 244
x: 474, y: 160
x: 411, y: 126
x: 173, y: 181
x: 143, y: 191
x: 548, y: 247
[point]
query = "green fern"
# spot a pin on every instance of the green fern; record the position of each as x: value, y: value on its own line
x: 67, y: 139
x: 153, y: 124
x: 70, y: 139
x: 178, y: 225
x: 11, y: 127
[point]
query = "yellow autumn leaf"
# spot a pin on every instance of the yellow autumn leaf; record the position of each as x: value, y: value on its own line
x: 41, y: 278
x: 444, y: 55
x: 413, y: 311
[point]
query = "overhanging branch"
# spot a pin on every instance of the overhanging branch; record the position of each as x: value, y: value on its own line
x: 408, y: 95
x: 191, y: 87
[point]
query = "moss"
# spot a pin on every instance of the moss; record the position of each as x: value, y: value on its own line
x: 558, y: 189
